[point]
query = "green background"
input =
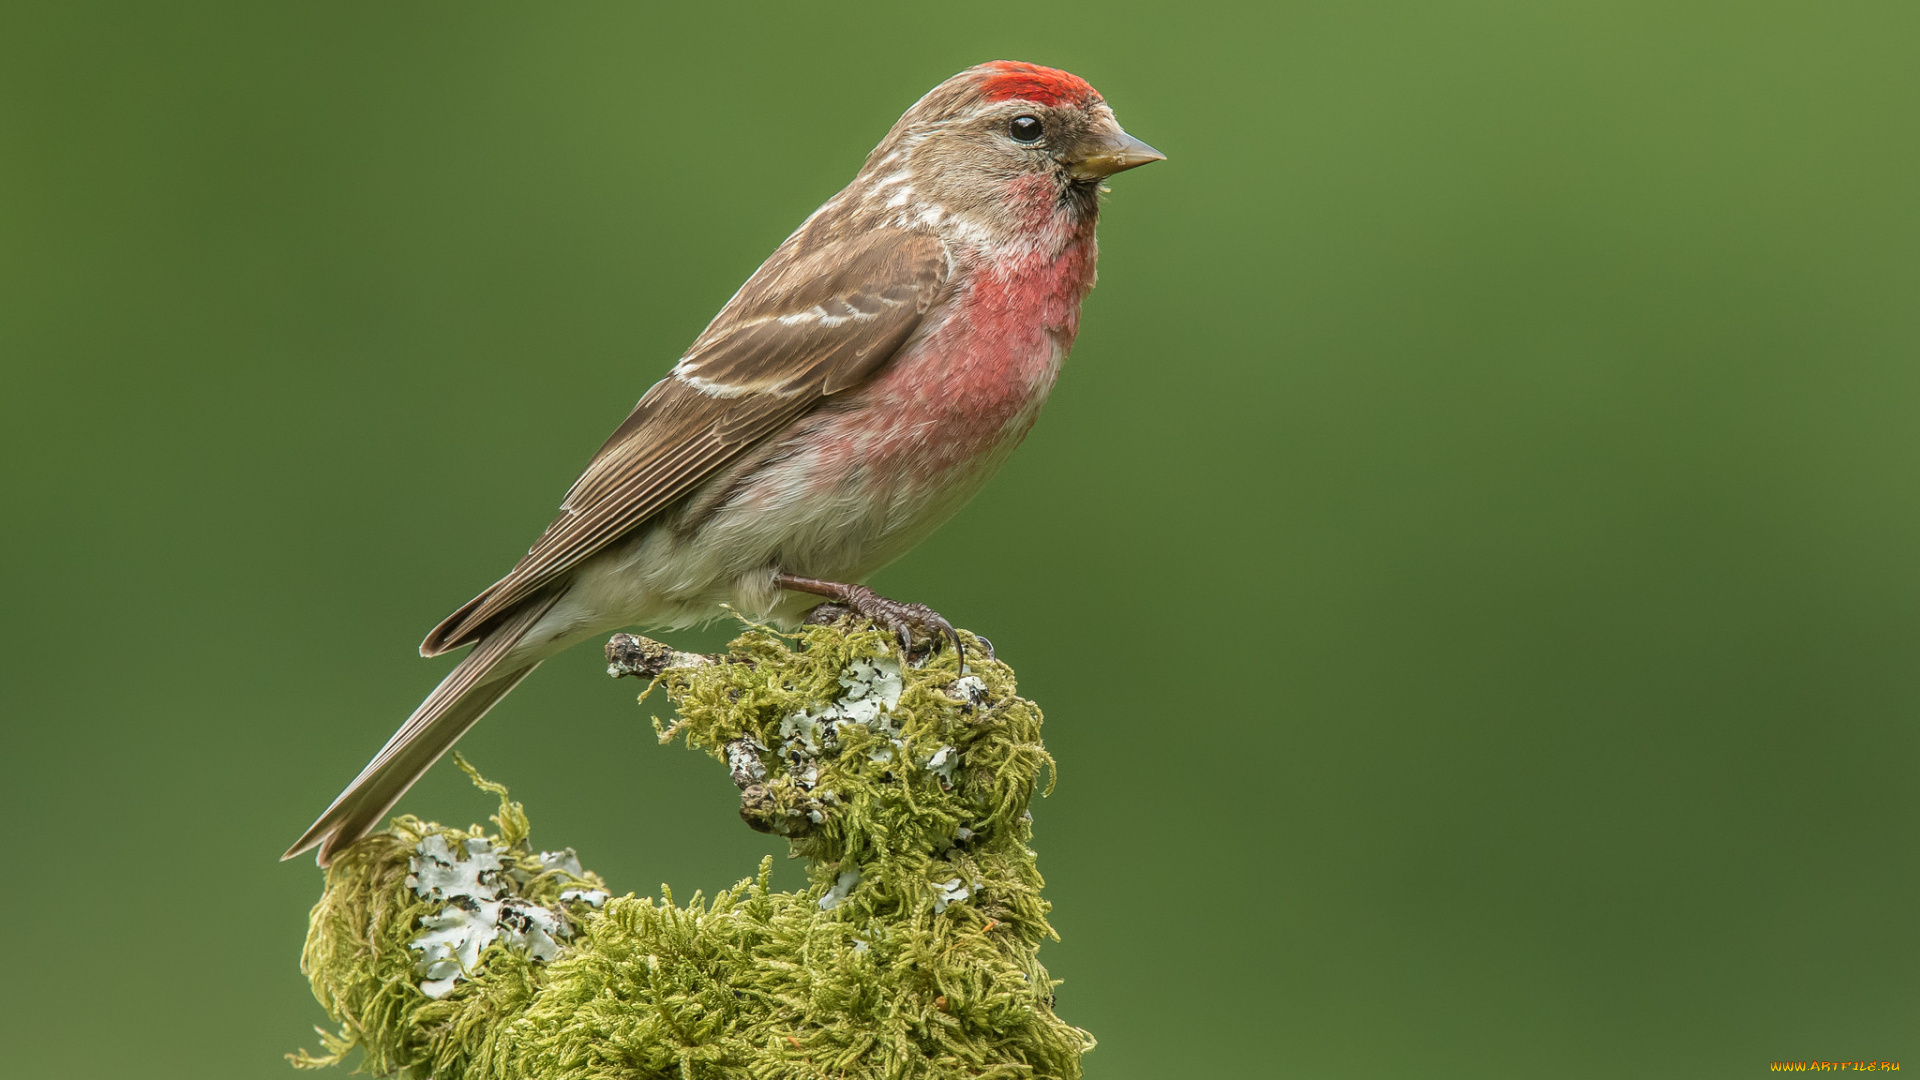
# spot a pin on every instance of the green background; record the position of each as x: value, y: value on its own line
x: 1468, y: 564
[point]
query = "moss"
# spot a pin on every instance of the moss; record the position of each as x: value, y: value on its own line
x: 913, y: 953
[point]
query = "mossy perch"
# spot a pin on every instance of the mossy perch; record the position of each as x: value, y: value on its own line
x: 913, y: 953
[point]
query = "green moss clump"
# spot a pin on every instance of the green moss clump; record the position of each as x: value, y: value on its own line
x: 913, y: 954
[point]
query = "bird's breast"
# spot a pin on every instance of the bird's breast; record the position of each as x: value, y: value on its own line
x: 975, y: 380
x: 872, y: 470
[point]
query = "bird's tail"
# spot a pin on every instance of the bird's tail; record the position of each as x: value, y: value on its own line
x: 458, y: 703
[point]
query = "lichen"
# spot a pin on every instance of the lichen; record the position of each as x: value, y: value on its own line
x: 912, y: 954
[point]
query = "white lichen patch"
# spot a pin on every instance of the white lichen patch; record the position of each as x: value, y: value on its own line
x: 439, y: 873
x: 942, y: 763
x: 951, y: 891
x: 841, y: 889
x: 872, y: 686
x: 743, y: 762
x: 478, y: 911
x: 873, y: 690
x: 971, y: 689
x: 566, y: 860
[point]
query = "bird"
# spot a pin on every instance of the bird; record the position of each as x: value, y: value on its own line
x: 856, y: 391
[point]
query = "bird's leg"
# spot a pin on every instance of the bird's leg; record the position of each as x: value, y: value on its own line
x: 901, y: 619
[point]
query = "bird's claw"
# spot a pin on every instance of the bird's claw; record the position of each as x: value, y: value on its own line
x: 899, y: 619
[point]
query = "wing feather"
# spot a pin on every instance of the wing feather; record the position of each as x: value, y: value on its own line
x: 819, y: 317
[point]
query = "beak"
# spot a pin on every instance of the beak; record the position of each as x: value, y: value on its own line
x: 1108, y: 152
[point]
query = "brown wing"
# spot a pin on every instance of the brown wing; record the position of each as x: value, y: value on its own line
x: 818, y: 317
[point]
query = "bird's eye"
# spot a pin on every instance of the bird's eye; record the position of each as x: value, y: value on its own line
x: 1025, y: 129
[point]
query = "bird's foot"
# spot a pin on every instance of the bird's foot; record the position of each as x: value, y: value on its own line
x: 907, y: 622
x: 827, y: 614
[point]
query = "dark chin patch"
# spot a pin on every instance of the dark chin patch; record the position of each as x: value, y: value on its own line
x: 1080, y: 196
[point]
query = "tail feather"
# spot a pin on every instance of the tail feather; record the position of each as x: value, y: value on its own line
x: 453, y: 630
x: 461, y: 699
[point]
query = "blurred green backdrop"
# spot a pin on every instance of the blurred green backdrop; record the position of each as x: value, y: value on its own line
x: 1468, y: 565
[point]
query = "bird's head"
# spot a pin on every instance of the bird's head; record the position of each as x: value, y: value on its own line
x: 1003, y: 142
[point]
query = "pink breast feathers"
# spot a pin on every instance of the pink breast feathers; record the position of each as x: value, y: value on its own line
x: 977, y: 381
